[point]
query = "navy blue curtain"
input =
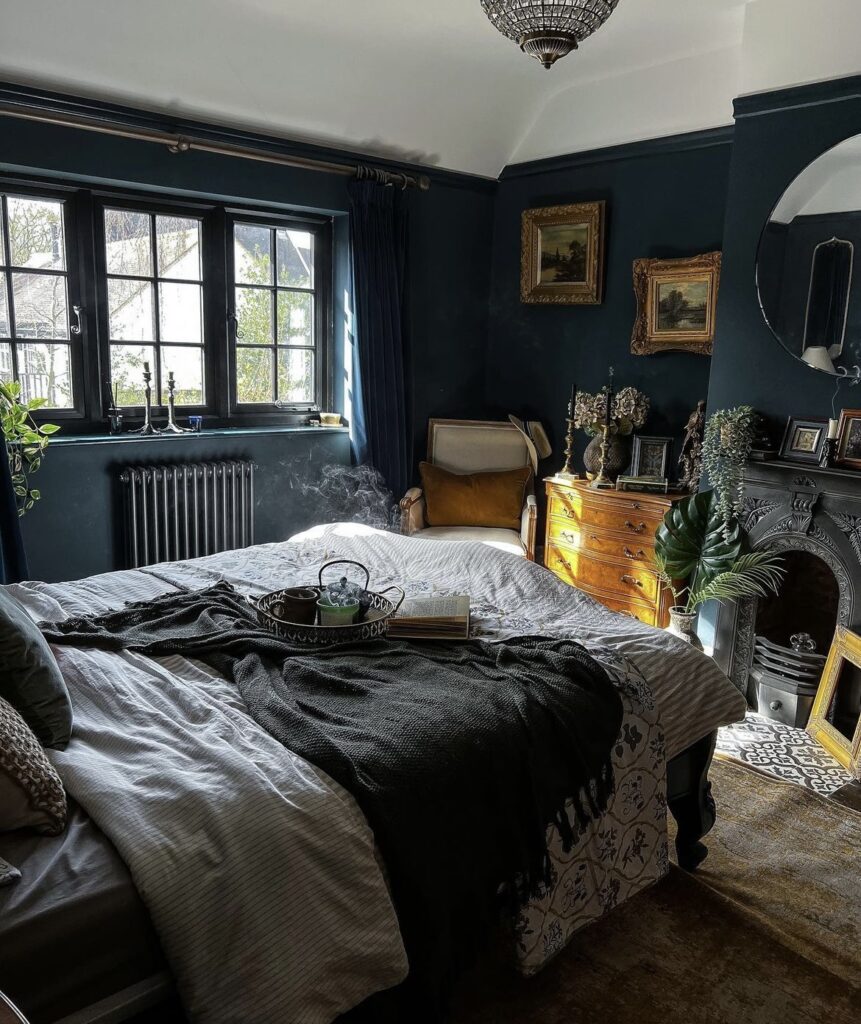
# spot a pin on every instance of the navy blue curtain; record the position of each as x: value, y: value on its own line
x: 378, y: 235
x: 13, y: 561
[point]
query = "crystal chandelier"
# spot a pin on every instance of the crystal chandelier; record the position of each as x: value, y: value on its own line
x: 548, y: 30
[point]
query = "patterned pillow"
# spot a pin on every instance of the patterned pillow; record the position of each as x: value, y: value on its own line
x: 31, y: 793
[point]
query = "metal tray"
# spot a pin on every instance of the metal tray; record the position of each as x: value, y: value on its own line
x: 377, y: 607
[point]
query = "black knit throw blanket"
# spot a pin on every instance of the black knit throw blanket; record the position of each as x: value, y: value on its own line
x: 459, y: 754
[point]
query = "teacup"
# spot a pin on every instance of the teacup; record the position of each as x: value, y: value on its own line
x: 338, y: 614
x: 296, y: 604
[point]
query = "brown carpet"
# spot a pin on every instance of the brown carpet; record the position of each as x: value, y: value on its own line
x: 767, y: 932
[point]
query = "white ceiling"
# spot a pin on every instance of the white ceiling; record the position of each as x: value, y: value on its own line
x: 424, y: 80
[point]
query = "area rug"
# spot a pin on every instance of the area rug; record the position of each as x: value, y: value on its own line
x: 767, y: 932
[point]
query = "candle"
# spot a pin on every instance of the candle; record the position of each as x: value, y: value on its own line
x: 146, y: 367
x: 832, y: 429
x: 572, y: 401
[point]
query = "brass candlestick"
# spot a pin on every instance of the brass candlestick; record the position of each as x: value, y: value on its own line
x: 569, y: 439
x: 147, y: 429
x: 602, y: 481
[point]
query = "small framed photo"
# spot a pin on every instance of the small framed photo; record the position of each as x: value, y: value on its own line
x: 849, y: 439
x: 803, y: 440
x: 835, y: 721
x: 562, y: 254
x: 676, y: 304
x: 651, y: 456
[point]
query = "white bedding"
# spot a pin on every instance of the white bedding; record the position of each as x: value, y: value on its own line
x: 274, y: 907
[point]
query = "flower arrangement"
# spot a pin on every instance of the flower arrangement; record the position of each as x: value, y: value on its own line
x: 629, y: 413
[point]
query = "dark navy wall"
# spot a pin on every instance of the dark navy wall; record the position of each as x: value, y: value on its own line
x: 665, y: 198
x: 776, y: 136
x: 72, y: 531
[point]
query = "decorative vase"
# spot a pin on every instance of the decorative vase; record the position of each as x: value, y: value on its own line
x: 618, y: 456
x: 682, y: 626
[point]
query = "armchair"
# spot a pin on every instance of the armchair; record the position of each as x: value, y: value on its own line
x: 475, y: 446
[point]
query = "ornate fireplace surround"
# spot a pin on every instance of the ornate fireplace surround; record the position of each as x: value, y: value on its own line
x: 795, y: 507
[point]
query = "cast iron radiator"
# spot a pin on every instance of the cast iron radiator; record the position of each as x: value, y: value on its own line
x: 187, y: 510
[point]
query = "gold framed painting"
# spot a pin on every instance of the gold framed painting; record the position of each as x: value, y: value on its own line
x: 676, y: 304
x: 562, y: 254
x: 835, y: 721
x: 849, y: 439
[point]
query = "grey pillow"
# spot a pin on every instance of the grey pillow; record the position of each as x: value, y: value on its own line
x: 30, y: 679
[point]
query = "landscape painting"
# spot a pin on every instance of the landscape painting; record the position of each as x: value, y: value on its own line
x: 676, y: 304
x: 562, y: 254
x: 682, y: 305
x: 564, y: 249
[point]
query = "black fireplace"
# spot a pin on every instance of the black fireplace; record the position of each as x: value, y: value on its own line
x: 773, y: 649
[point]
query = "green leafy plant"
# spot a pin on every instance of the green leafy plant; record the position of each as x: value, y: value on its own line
x: 694, y: 543
x: 726, y: 447
x: 25, y: 441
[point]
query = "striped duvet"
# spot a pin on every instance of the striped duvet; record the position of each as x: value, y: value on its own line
x: 260, y: 873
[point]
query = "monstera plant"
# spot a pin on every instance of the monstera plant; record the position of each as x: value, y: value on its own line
x: 695, y: 543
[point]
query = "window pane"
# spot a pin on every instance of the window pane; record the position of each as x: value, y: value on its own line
x: 295, y: 254
x: 130, y: 306
x: 254, y: 316
x: 179, y: 312
x: 254, y: 375
x: 295, y: 375
x: 6, y: 361
x: 40, y: 306
x: 252, y: 261
x: 187, y: 367
x: 128, y: 247
x: 4, y: 309
x: 177, y: 241
x: 36, y: 233
x: 127, y: 364
x: 45, y: 371
x: 295, y: 319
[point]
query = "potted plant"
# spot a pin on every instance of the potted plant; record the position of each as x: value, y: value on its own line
x: 695, y: 543
x: 25, y: 441
x: 629, y: 413
x: 726, y: 448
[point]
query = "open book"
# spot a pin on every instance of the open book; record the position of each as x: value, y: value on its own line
x: 432, y: 618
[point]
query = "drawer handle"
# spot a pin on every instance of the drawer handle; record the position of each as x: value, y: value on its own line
x: 561, y: 561
x: 630, y: 554
x: 631, y: 615
x: 636, y: 505
x: 636, y: 529
x: 568, y: 512
x: 626, y: 578
x: 568, y: 535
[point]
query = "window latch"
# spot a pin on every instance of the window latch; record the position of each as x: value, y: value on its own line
x: 77, y: 328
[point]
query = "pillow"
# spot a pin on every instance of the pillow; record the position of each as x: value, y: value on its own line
x: 31, y: 793
x: 30, y: 678
x: 474, y: 499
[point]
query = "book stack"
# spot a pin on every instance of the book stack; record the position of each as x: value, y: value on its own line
x: 431, y: 618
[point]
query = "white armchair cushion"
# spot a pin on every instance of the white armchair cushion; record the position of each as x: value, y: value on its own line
x: 503, y: 540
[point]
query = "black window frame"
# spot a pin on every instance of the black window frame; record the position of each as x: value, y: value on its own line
x: 84, y: 203
x: 78, y: 343
x: 321, y: 230
x: 210, y: 315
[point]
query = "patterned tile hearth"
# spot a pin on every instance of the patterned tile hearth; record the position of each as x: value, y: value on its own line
x: 781, y: 750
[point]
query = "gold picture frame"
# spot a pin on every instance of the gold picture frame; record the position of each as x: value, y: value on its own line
x: 849, y: 439
x: 676, y: 304
x: 562, y: 254
x: 845, y: 648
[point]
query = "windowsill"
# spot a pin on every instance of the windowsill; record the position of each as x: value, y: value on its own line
x: 129, y: 436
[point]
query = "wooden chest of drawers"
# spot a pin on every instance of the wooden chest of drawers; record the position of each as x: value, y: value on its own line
x: 603, y: 542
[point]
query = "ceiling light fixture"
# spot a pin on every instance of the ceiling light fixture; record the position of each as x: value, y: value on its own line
x: 548, y: 30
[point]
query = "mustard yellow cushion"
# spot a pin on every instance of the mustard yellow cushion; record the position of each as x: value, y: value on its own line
x: 474, y: 499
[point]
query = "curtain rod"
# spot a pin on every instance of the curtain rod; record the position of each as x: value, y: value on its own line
x: 186, y: 143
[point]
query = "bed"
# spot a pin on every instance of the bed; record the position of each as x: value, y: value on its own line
x: 252, y: 875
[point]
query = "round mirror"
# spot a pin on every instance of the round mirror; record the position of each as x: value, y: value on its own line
x: 807, y: 273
